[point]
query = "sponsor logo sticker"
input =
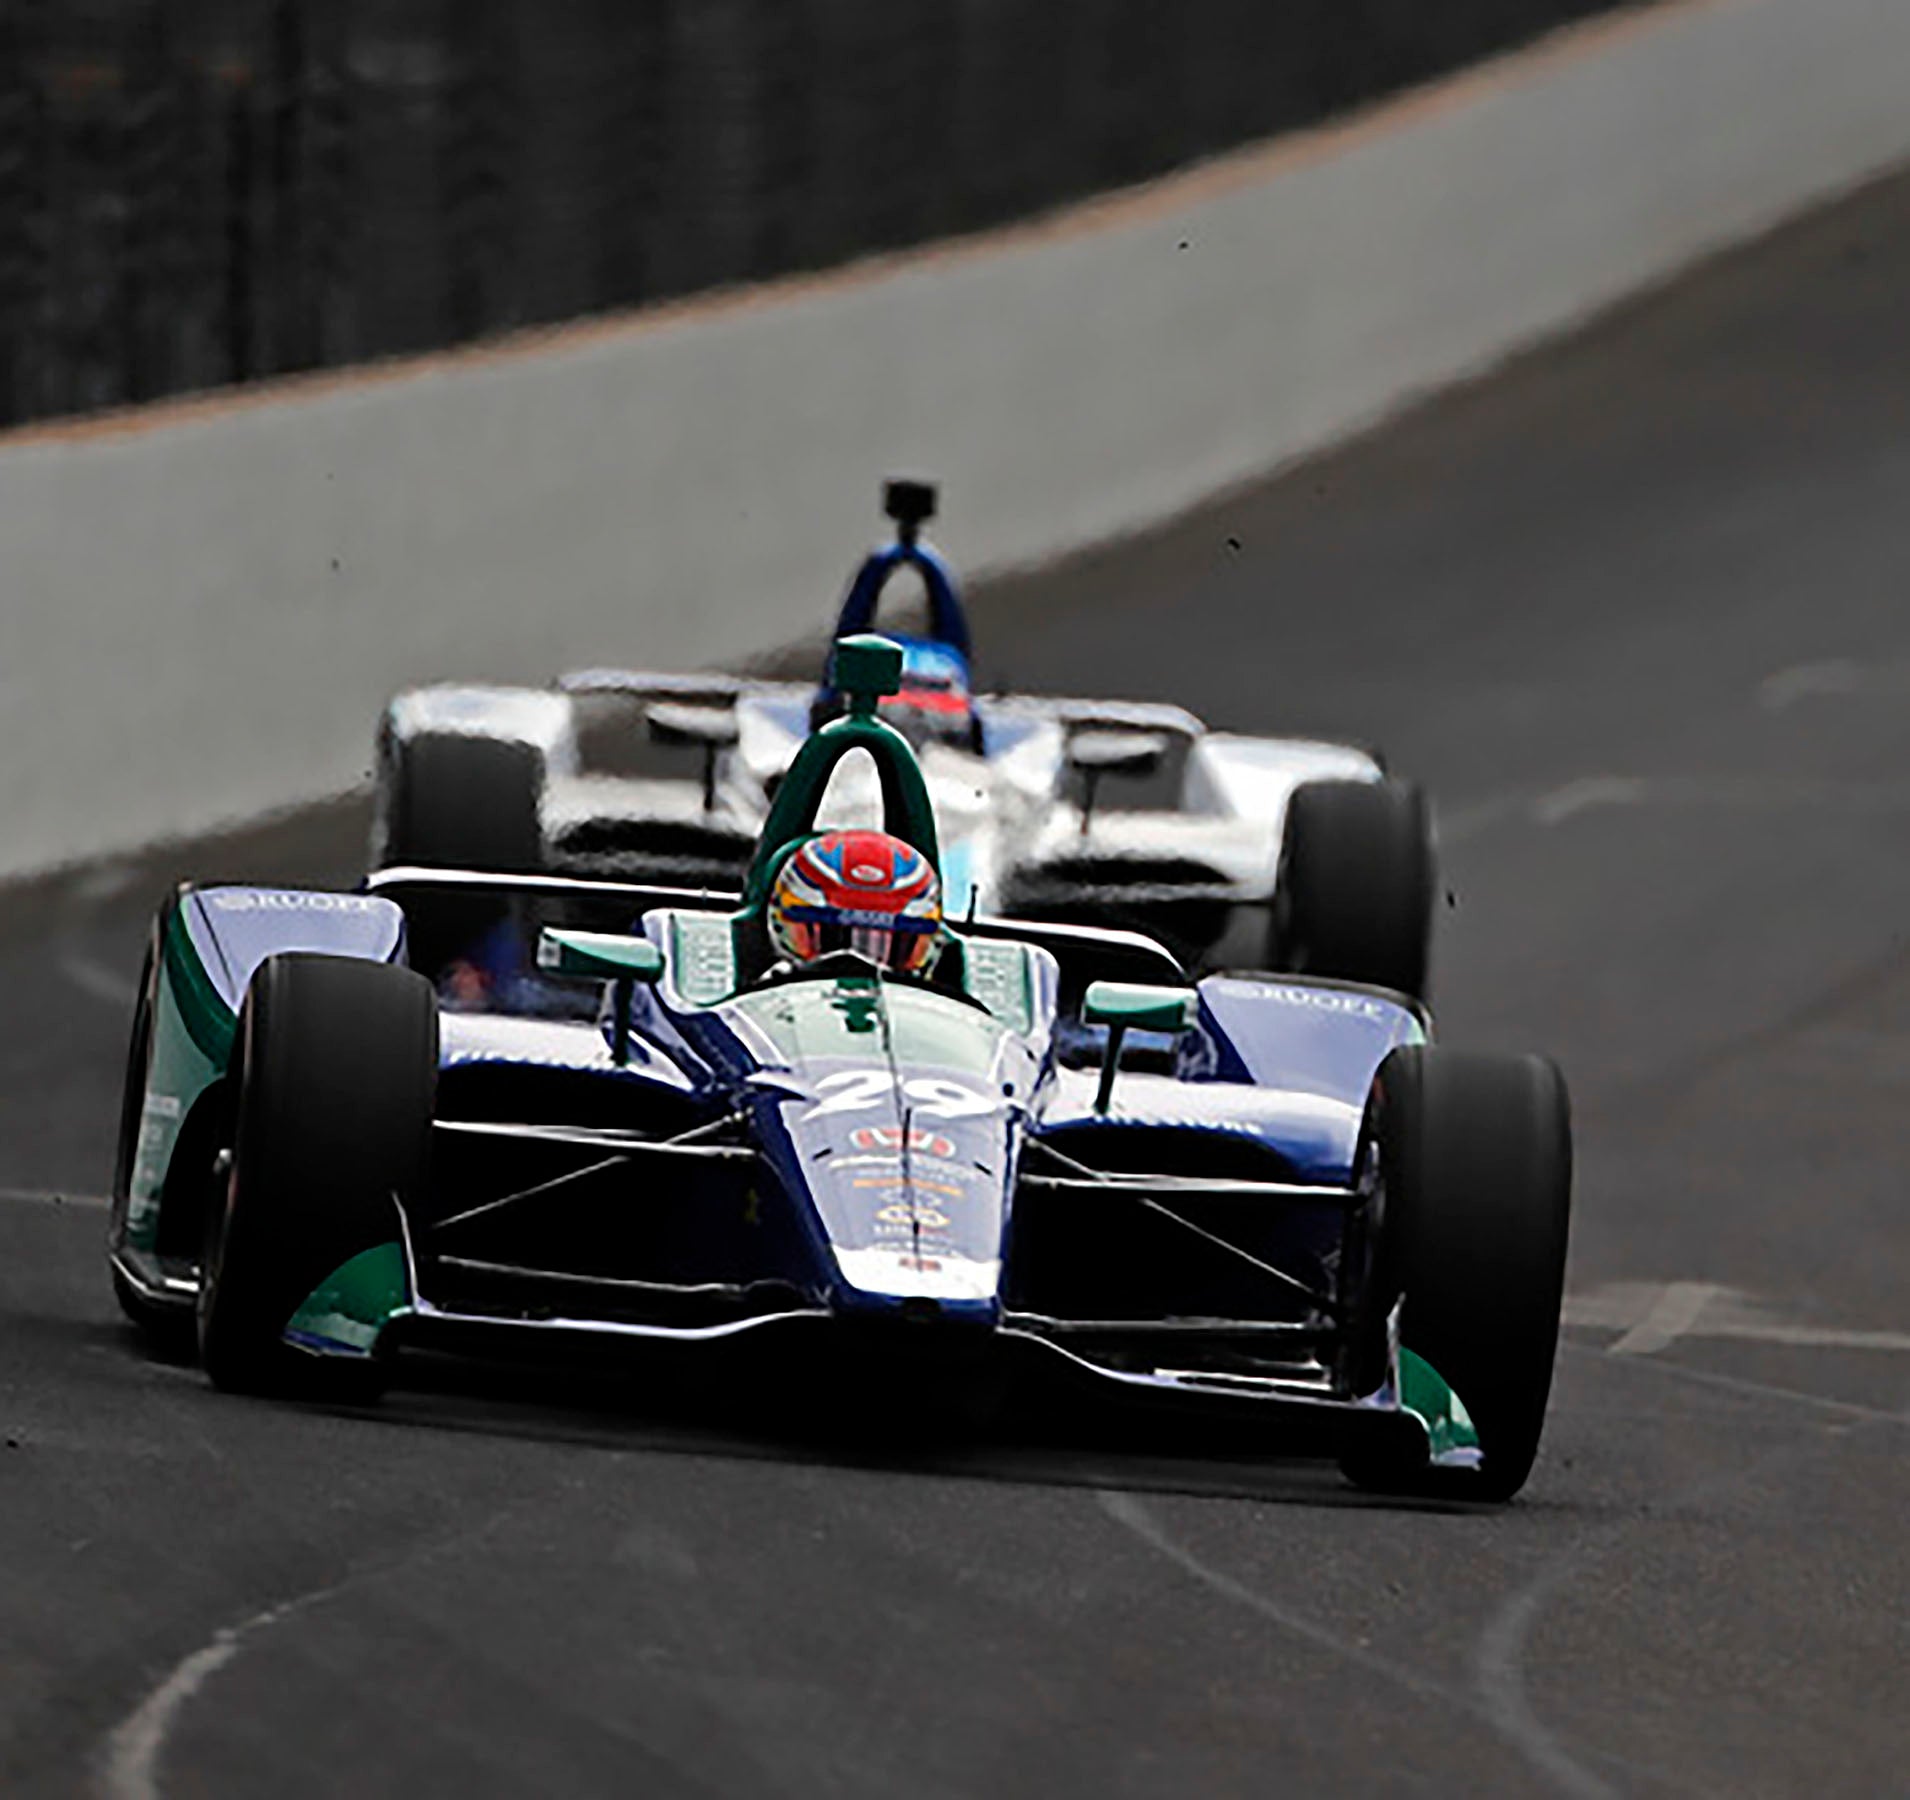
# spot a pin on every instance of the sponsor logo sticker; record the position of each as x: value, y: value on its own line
x: 889, y: 1137
x: 246, y: 900
x: 1327, y: 1000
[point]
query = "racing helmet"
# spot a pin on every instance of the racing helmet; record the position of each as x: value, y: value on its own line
x: 858, y: 890
x: 934, y: 704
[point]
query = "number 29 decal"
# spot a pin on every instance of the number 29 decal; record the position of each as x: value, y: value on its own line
x: 857, y: 1090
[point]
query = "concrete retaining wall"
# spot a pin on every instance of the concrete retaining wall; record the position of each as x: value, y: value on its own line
x: 204, y: 610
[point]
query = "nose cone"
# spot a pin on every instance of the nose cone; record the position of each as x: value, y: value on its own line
x: 914, y: 1227
x: 880, y: 1277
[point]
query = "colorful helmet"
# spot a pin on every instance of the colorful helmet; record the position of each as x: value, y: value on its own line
x: 934, y: 704
x: 858, y: 890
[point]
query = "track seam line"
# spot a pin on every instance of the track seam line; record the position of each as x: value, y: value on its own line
x: 1500, y: 1657
x: 127, y: 1764
x: 130, y: 1768
x: 1520, y: 1730
x: 52, y: 1197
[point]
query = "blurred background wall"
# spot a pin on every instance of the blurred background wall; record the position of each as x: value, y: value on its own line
x: 198, y: 192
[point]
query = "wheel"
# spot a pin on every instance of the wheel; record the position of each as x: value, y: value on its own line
x: 447, y: 801
x: 337, y: 1063
x: 1354, y: 897
x: 1474, y: 1200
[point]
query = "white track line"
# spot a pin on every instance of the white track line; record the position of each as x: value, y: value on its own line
x: 96, y: 980
x: 1676, y: 1310
x: 1515, y: 1722
x: 45, y: 1197
x: 1756, y: 794
x: 1650, y: 1317
x: 1500, y: 1669
x: 1808, y: 1337
x: 1834, y: 679
x: 1761, y: 1390
x: 129, y: 1765
x: 1505, y: 1644
x: 1582, y: 795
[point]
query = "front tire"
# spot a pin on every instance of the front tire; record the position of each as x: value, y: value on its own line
x: 1475, y: 1155
x: 1354, y: 897
x: 336, y: 1064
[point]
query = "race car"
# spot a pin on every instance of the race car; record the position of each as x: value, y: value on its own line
x: 1236, y: 851
x: 478, y: 1112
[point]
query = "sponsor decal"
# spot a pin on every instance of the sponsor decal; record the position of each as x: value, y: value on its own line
x: 941, y: 1242
x: 928, y: 1166
x: 1327, y: 1000
x: 895, y: 1181
x: 265, y: 900
x: 925, y: 1216
x: 857, y: 1090
x: 889, y: 1137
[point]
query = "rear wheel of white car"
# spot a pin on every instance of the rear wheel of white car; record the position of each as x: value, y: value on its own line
x: 336, y: 1065
x: 1354, y: 898
x: 448, y: 801
x: 1474, y: 1202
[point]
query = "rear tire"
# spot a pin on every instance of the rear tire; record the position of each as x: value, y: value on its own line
x: 1354, y: 899
x: 336, y: 1064
x: 453, y: 802
x: 1474, y: 1206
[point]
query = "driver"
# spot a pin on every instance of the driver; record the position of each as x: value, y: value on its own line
x: 934, y: 704
x: 858, y: 890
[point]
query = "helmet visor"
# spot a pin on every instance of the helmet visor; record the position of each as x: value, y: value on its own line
x: 906, y: 945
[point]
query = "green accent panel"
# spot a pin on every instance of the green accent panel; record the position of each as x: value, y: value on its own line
x: 180, y: 1071
x: 997, y: 973
x: 906, y: 810
x: 1449, y: 1426
x: 1138, y: 1007
x: 202, y: 1008
x: 808, y: 1019
x: 703, y: 956
x: 600, y: 955
x: 348, y: 1309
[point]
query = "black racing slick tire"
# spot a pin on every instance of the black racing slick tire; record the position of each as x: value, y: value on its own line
x: 336, y: 1064
x: 1474, y: 1205
x: 1354, y: 897
x: 460, y: 802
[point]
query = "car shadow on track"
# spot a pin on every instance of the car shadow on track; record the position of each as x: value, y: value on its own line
x: 883, y: 1424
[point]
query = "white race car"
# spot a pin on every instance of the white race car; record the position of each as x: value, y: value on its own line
x: 1283, y: 853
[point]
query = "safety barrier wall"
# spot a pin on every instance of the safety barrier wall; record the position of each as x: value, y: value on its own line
x: 204, y: 613
x: 195, y: 192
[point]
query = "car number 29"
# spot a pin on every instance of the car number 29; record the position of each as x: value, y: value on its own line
x: 857, y: 1090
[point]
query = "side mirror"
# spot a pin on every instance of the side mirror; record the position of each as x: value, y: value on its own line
x: 1124, y: 1006
x: 602, y: 956
x: 1099, y: 753
x: 687, y: 727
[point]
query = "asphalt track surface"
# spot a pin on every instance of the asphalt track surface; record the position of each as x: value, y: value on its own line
x: 1638, y: 609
